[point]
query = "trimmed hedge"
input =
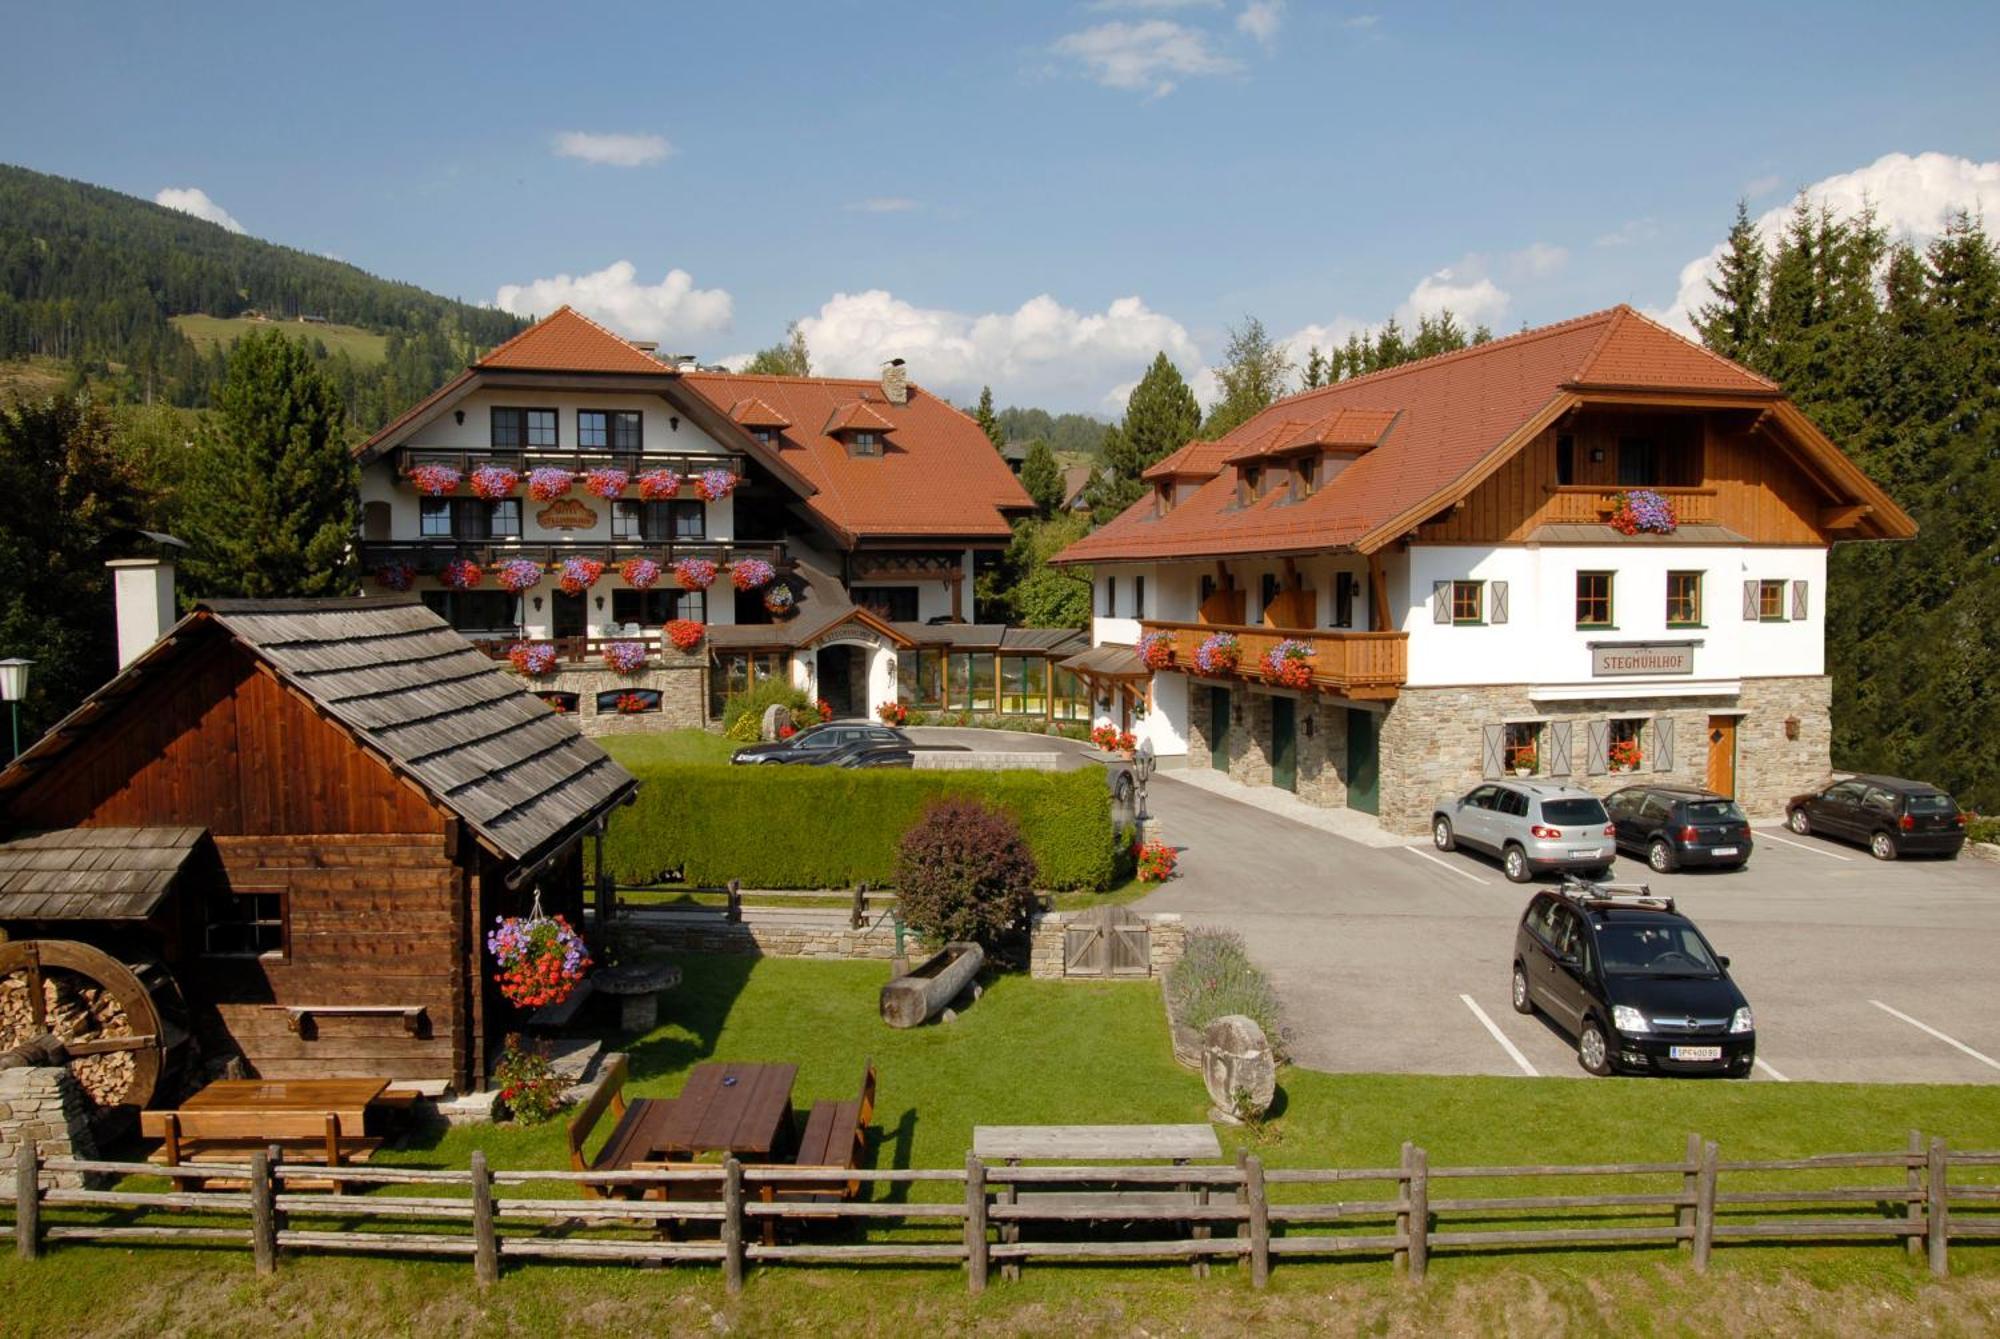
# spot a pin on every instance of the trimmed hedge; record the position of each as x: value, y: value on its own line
x: 829, y: 827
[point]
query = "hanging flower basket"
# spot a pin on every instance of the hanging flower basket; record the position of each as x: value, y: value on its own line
x: 694, y: 573
x: 659, y: 485
x: 435, y: 480
x: 493, y: 482
x: 518, y: 574
x: 395, y: 576
x: 578, y: 575
x: 625, y: 657
x: 540, y: 959
x: 1290, y: 663
x: 1156, y: 650
x: 1219, y: 653
x: 460, y: 574
x: 1641, y: 509
x: 751, y: 573
x: 779, y: 599
x: 714, y: 485
x: 549, y: 483
x: 684, y: 633
x: 534, y: 659
x: 607, y: 484
x: 640, y: 573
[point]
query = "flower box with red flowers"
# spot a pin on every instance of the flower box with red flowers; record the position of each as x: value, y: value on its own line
x: 684, y: 633
x: 625, y: 657
x: 460, y: 574
x: 578, y: 575
x: 534, y: 659
x: 892, y: 713
x: 695, y: 573
x: 1156, y: 650
x: 1290, y: 663
x: 607, y: 484
x: 549, y: 483
x: 659, y: 485
x: 493, y: 482
x: 517, y: 574
x: 435, y: 480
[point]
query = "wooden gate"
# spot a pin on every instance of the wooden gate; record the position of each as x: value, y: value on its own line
x: 1108, y: 941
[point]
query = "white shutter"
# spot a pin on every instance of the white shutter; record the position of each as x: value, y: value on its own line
x: 1663, y: 743
x: 1490, y: 759
x: 1496, y: 611
x: 1800, y: 605
x: 1600, y: 747
x: 1750, y: 602
x: 1440, y: 602
x: 1559, y: 734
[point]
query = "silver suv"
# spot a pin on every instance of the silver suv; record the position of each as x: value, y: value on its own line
x: 1532, y: 826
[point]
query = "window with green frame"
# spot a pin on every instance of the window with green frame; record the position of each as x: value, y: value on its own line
x: 1069, y: 695
x: 1024, y: 686
x: 920, y: 678
x: 735, y: 671
x: 969, y: 680
x: 1593, y: 599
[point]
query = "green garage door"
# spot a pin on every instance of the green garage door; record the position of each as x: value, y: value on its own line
x: 1364, y: 783
x: 1218, y: 728
x: 1284, y: 744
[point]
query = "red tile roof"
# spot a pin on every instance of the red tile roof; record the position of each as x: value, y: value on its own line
x: 857, y: 416
x: 1434, y: 422
x: 752, y: 412
x: 938, y: 476
x: 568, y: 341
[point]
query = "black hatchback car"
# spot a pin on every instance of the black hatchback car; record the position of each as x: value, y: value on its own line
x: 1673, y: 826
x: 1888, y: 815
x: 814, y: 745
x: 1633, y: 981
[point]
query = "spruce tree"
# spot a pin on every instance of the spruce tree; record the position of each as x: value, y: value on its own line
x: 1042, y: 477
x: 1161, y: 416
x: 269, y: 505
x: 988, y: 423
x: 1733, y: 324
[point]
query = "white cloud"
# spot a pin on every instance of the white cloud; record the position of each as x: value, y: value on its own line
x: 671, y: 309
x: 1760, y: 186
x: 1040, y: 353
x: 194, y: 200
x: 1629, y: 233
x: 1537, y: 260
x: 1473, y: 299
x: 1260, y: 19
x: 1912, y: 196
x: 1144, y: 57
x: 613, y: 150
x: 882, y: 204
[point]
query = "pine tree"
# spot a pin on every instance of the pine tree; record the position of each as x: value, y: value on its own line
x: 1319, y: 370
x: 987, y: 421
x: 269, y: 506
x: 1733, y: 324
x: 1254, y: 373
x: 1161, y: 416
x: 1042, y: 477
x: 789, y: 357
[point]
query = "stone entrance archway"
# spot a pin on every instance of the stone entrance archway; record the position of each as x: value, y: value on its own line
x: 843, y: 678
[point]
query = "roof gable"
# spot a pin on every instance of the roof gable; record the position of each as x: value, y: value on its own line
x: 568, y: 341
x: 1638, y: 353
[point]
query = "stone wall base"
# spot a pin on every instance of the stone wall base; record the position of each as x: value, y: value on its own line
x: 48, y: 1106
x: 680, y: 678
x: 1166, y: 942
x: 771, y: 936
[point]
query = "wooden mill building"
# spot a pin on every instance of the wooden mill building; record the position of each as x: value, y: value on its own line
x: 353, y: 793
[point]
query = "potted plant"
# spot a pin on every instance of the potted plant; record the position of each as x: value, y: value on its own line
x: 1525, y: 760
x: 578, y: 575
x: 1156, y: 650
x: 714, y: 485
x: 549, y: 483
x: 1290, y: 663
x: 460, y: 574
x: 493, y: 482
x: 1625, y: 755
x: 1156, y: 862
x: 625, y: 657
x: 659, y: 485
x: 533, y: 659
x: 1219, y: 653
x: 779, y: 599
x: 892, y: 713
x: 631, y: 704
x: 640, y: 573
x: 684, y: 633
x: 607, y: 484
x: 541, y: 959
x: 751, y: 573
x: 395, y: 576
x: 532, y: 1090
x: 825, y: 710
x: 518, y: 574
x: 695, y: 573
x: 435, y: 480
x: 1640, y: 509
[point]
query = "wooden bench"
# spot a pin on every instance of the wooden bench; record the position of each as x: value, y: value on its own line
x: 629, y: 1141
x: 192, y: 1137
x: 836, y: 1135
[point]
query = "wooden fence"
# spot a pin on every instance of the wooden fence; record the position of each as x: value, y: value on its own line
x: 1246, y: 1212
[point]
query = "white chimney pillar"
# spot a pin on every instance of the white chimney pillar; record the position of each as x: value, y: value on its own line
x: 143, y: 593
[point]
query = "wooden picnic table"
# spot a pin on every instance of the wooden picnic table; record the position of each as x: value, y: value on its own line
x: 735, y: 1107
x: 1179, y: 1144
x: 348, y: 1099
x: 311, y: 1120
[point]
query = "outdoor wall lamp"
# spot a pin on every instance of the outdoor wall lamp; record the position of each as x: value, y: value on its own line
x: 600, y: 603
x: 538, y: 604
x: 14, y: 687
x: 1791, y: 727
x: 1309, y: 727
x: 674, y: 422
x: 458, y: 417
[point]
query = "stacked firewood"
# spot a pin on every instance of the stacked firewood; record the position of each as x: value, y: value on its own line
x: 75, y: 1010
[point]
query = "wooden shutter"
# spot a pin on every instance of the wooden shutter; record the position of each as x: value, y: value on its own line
x: 1800, y: 605
x: 1440, y: 602
x: 1496, y: 609
x: 1600, y: 747
x: 1490, y: 759
x: 1750, y: 601
x: 1663, y: 743
x: 1343, y: 599
x: 1559, y: 732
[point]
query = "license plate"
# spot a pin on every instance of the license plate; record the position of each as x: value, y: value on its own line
x: 1585, y: 854
x: 1696, y: 1052
x: 1724, y: 850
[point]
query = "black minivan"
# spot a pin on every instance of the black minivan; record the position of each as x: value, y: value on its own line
x: 1888, y: 815
x: 1674, y: 826
x: 1633, y: 981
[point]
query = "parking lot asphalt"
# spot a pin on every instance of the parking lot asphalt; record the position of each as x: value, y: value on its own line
x: 1396, y: 959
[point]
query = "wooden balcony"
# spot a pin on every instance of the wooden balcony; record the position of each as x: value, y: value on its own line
x: 1589, y: 504
x: 428, y: 556
x: 1372, y: 665
x: 635, y: 463
x: 569, y: 650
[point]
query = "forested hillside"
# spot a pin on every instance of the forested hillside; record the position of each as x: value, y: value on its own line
x: 91, y: 279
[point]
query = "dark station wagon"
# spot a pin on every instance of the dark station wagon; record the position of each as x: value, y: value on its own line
x: 1670, y: 827
x: 1888, y: 815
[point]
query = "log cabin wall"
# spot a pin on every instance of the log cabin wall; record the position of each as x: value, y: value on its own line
x: 1743, y: 480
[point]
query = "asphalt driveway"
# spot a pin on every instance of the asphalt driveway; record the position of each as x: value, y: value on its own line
x: 1396, y: 958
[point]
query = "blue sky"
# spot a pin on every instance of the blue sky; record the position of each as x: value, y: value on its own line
x: 1035, y: 196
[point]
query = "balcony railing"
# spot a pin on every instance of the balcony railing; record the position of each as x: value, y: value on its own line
x: 1352, y: 664
x: 429, y: 556
x: 1587, y: 504
x: 521, y: 461
x: 569, y: 650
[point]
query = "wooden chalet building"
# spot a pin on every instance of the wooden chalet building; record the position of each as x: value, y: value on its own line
x: 875, y: 501
x: 1439, y: 535
x: 309, y: 811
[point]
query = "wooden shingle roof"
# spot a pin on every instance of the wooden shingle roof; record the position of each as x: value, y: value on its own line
x: 94, y: 874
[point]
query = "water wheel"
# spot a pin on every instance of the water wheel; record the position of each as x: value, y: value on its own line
x: 123, y: 1027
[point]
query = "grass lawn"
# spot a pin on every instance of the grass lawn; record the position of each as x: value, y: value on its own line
x: 364, y: 346
x: 1033, y: 1052
x: 670, y: 746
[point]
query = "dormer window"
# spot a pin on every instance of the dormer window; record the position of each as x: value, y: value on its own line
x: 768, y: 436
x: 1249, y: 484
x: 1163, y: 496
x: 1306, y: 479
x: 864, y: 443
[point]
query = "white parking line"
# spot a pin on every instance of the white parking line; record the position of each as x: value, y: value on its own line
x: 1446, y: 864
x: 1986, y: 1060
x: 1772, y: 836
x: 1772, y: 1072
x: 1509, y: 1047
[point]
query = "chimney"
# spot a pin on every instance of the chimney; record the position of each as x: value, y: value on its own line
x: 644, y: 345
x: 895, y: 382
x: 143, y: 596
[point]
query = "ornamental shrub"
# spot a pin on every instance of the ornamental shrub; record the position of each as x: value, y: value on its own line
x: 1984, y: 830
x: 1215, y: 977
x: 764, y: 693
x: 963, y: 872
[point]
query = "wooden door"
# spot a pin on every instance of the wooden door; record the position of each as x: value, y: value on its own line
x: 1284, y: 744
x: 1722, y: 755
x: 567, y: 615
x: 1218, y: 728
x: 1364, y: 763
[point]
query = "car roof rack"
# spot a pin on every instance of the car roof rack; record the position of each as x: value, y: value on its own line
x: 1594, y: 894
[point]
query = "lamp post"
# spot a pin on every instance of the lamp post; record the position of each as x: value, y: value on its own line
x: 1143, y: 763
x: 14, y: 687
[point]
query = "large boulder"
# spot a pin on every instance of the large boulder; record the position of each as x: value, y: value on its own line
x: 1240, y: 1069
x: 775, y: 716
